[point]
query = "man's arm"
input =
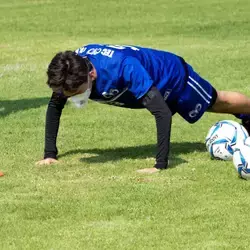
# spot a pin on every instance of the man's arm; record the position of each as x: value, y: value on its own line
x: 140, y: 85
x: 54, y: 111
x: 155, y: 103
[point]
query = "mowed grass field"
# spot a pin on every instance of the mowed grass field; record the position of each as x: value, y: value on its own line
x: 94, y: 198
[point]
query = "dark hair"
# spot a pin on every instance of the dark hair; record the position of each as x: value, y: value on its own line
x: 67, y: 71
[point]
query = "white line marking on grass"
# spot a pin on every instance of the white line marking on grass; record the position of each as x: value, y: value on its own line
x: 19, y: 67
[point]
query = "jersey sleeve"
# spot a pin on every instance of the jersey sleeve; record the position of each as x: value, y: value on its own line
x: 136, y: 77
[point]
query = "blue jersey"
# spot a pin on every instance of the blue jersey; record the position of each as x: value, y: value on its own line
x: 126, y: 73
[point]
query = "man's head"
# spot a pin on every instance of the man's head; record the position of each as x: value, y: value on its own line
x: 70, y: 74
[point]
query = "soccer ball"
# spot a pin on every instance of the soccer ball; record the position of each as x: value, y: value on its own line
x: 241, y: 159
x: 223, y: 138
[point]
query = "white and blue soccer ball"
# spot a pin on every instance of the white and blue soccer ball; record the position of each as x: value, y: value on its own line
x: 223, y: 138
x: 241, y: 159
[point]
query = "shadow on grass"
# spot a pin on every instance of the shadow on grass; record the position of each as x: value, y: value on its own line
x: 137, y: 152
x: 12, y: 106
x: 104, y: 155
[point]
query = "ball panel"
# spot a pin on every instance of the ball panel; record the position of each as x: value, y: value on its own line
x: 220, y: 151
x: 241, y: 159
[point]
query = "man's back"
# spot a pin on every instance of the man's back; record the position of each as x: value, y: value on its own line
x: 135, y: 68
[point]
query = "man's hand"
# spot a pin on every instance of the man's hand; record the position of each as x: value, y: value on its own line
x: 47, y: 161
x: 148, y: 170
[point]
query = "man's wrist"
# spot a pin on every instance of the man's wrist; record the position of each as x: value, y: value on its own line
x: 50, y: 155
x: 161, y: 165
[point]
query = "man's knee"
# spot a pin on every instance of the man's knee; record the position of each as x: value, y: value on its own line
x: 222, y: 101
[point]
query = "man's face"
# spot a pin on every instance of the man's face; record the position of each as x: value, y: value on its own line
x: 83, y: 87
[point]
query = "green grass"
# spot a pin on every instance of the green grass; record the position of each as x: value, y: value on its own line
x: 94, y: 199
